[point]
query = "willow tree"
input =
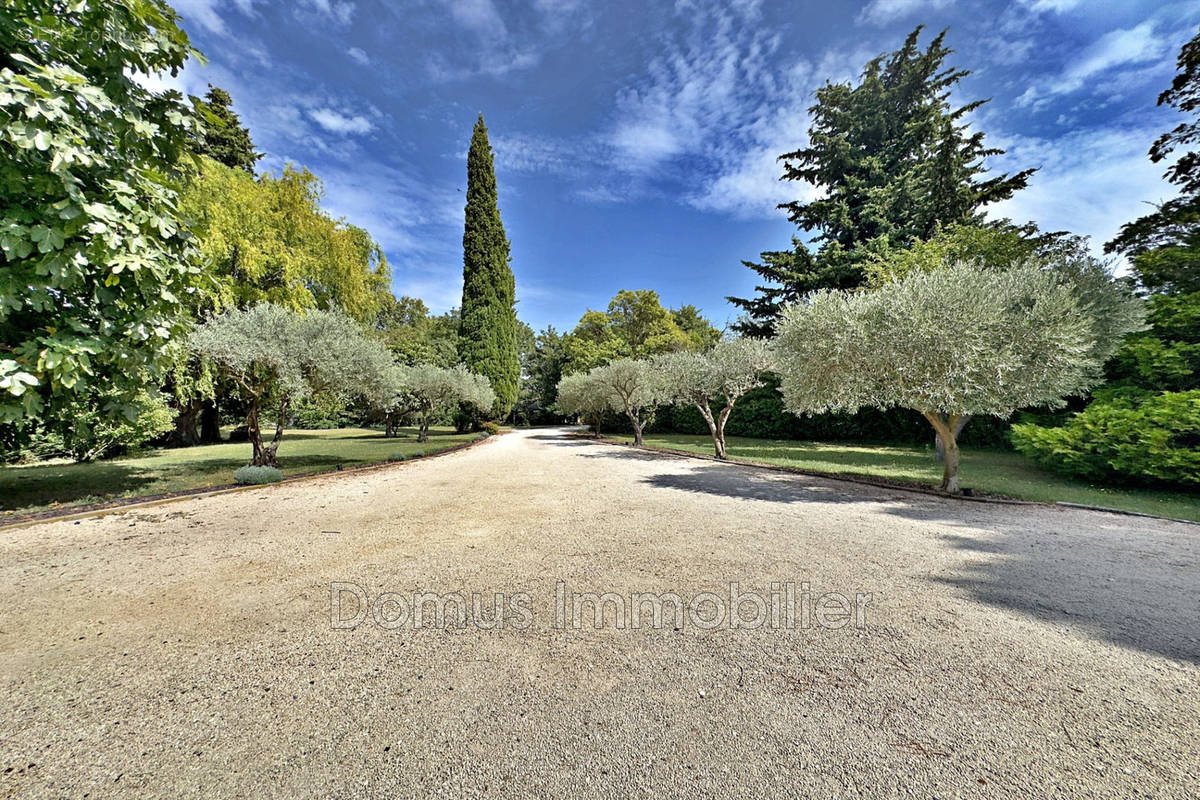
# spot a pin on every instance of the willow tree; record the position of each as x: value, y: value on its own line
x: 958, y: 340
x: 721, y: 376
x: 488, y: 327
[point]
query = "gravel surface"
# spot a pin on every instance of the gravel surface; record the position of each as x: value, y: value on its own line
x: 1004, y: 651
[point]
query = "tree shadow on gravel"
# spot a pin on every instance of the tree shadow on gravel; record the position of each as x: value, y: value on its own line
x: 1132, y: 582
x: 748, y: 484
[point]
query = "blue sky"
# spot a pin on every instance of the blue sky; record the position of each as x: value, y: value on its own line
x: 636, y: 141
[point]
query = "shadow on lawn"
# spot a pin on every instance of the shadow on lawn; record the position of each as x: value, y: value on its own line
x: 65, y: 484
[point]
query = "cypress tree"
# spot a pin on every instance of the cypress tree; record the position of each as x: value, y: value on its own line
x: 894, y: 163
x: 487, y: 341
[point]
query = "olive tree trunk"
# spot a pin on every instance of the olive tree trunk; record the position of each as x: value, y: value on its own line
x: 940, y: 446
x: 264, y: 455
x: 423, y: 430
x: 638, y: 425
x: 716, y: 425
x: 947, y: 427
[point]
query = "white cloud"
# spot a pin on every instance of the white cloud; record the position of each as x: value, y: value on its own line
x: 359, y: 55
x: 1118, y: 48
x: 203, y: 13
x: 337, y: 11
x: 335, y: 122
x: 480, y: 16
x: 1076, y: 187
x: 1057, y: 6
x: 881, y: 12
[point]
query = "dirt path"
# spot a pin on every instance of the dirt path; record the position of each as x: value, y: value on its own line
x: 1003, y: 652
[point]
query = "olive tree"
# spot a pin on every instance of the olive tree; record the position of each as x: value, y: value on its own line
x: 957, y: 340
x: 580, y: 395
x: 631, y: 387
x: 275, y: 356
x: 431, y: 390
x: 721, y: 376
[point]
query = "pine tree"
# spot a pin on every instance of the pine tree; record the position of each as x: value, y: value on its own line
x: 893, y: 163
x: 223, y: 138
x: 488, y: 330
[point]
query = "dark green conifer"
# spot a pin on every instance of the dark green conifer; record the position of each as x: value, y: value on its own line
x: 488, y: 329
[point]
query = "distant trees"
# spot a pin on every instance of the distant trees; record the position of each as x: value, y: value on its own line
x: 582, y: 395
x: 633, y: 388
x: 892, y: 161
x: 1164, y: 246
x: 720, y: 376
x: 487, y: 330
x: 955, y: 341
x: 96, y: 262
x: 636, y: 325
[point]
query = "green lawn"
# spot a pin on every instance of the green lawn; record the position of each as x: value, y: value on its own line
x: 1001, y: 473
x: 61, y: 483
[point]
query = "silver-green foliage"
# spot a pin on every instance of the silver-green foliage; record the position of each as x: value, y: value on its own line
x: 252, y: 475
x: 626, y: 386
x: 720, y: 376
x: 580, y: 395
x: 954, y: 341
x: 275, y: 356
x: 427, y: 390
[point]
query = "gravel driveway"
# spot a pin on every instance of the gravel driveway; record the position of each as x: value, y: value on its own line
x: 982, y: 650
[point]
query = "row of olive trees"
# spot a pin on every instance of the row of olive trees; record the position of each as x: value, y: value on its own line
x: 638, y: 388
x: 276, y: 356
x: 950, y: 339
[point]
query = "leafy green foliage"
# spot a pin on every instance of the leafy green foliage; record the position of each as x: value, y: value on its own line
x: 254, y: 476
x: 636, y: 325
x: 96, y: 261
x: 1164, y: 246
x: 222, y: 137
x: 268, y: 240
x: 1127, y: 437
x: 415, y: 336
x: 892, y: 161
x: 488, y: 328
x: 542, y: 368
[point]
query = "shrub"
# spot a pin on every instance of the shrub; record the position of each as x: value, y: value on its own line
x: 1141, y: 438
x: 397, y: 457
x: 490, y: 428
x: 253, y: 476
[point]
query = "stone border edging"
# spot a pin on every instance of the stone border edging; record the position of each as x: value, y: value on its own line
x: 880, y: 484
x: 149, y: 501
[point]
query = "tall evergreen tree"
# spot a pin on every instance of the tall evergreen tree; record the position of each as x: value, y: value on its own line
x: 892, y: 161
x: 488, y: 330
x: 223, y: 138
